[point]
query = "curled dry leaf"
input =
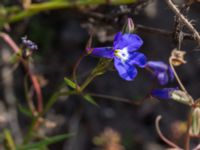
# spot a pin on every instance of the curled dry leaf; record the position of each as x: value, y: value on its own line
x: 177, y: 57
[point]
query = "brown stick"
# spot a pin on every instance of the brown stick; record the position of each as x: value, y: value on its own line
x: 184, y: 20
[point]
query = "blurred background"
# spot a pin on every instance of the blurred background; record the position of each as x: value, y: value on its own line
x: 61, y: 36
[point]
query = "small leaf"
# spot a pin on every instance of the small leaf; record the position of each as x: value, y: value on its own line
x: 45, y: 142
x: 89, y: 98
x: 70, y: 83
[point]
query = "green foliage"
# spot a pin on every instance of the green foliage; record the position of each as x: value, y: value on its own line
x: 44, y: 143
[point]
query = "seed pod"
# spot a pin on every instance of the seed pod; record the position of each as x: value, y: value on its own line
x: 195, y: 126
x: 129, y: 27
x: 181, y: 97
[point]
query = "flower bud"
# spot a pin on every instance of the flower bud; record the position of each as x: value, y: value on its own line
x: 174, y: 94
x: 182, y: 97
x: 129, y: 27
x: 28, y: 47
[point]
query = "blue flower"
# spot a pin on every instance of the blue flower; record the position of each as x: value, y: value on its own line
x: 161, y: 71
x: 124, y: 54
x: 165, y: 93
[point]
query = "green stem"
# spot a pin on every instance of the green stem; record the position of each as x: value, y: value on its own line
x: 52, y: 5
x: 54, y: 98
x: 29, y: 134
x: 87, y: 82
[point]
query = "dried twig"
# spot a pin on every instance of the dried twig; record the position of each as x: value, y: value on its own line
x: 184, y: 20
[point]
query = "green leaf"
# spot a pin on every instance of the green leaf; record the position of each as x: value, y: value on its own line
x: 89, y: 98
x: 9, y: 140
x: 45, y: 142
x: 70, y: 83
x: 25, y: 111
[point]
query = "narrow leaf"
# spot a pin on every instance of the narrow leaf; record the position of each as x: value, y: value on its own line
x: 89, y: 98
x: 70, y: 83
x: 45, y: 142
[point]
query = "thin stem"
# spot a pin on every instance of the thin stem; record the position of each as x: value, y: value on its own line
x: 170, y: 143
x: 179, y: 81
x: 177, y: 77
x: 121, y: 99
x: 28, y: 97
x: 31, y: 130
x: 87, y: 82
x: 32, y: 76
x: 54, y: 98
x: 75, y: 69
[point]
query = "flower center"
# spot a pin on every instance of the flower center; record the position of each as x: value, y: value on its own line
x: 122, y: 54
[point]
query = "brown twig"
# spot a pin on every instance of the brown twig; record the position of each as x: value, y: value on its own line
x: 184, y: 20
x: 32, y: 76
x: 162, y: 136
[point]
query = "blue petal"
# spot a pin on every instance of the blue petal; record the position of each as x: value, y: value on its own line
x: 130, y: 41
x: 118, y: 36
x: 106, y: 52
x: 171, y: 73
x: 138, y: 59
x: 125, y: 70
x: 157, y: 66
x: 162, y: 78
x: 163, y: 93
